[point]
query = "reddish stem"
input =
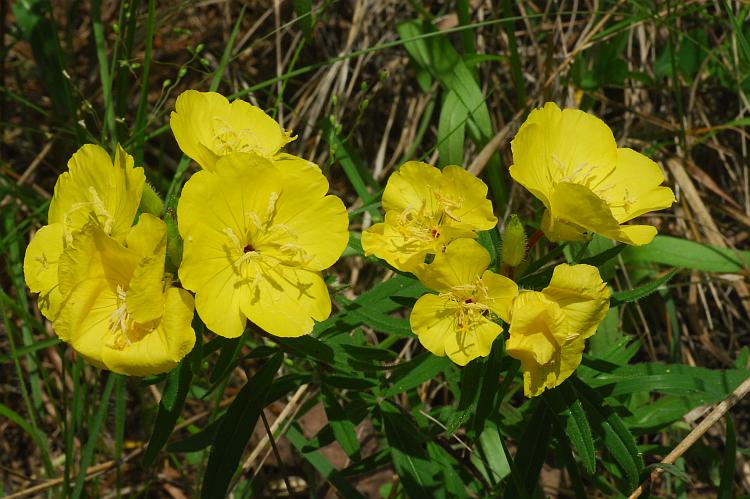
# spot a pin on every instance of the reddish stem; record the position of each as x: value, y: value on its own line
x: 535, y: 237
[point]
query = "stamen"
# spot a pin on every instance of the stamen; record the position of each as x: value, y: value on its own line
x: 231, y: 234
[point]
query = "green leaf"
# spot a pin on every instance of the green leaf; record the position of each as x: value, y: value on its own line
x: 320, y: 463
x: 450, y: 470
x: 532, y: 451
x: 470, y: 383
x: 303, y: 9
x: 452, y: 130
x: 726, y: 485
x: 678, y: 252
x: 172, y: 399
x: 410, y: 459
x: 654, y: 415
x: 494, y: 460
x: 567, y: 407
x: 412, y: 374
x: 229, y: 351
x: 677, y: 379
x: 641, y: 291
x: 235, y: 429
x: 343, y: 429
x: 197, y: 441
x: 490, y: 389
x: 601, y: 254
x: 437, y: 55
x: 564, y: 454
x: 614, y: 437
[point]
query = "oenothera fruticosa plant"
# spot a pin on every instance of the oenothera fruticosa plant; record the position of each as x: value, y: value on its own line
x: 259, y: 230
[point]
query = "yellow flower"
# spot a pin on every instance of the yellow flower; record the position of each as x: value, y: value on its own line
x: 93, y: 187
x: 121, y: 313
x: 207, y: 126
x: 426, y: 209
x: 257, y: 235
x: 460, y: 320
x: 548, y: 329
x: 570, y: 161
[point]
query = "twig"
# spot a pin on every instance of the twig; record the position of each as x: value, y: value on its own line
x: 288, y: 408
x: 716, y: 414
x: 269, y: 434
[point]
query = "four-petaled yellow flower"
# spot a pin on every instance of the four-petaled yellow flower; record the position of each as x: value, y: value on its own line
x: 460, y: 320
x: 548, y: 329
x: 121, y: 312
x: 570, y: 161
x: 257, y: 235
x: 93, y: 187
x: 207, y: 126
x: 426, y: 209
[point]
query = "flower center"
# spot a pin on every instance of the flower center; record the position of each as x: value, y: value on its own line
x: 121, y: 325
x: 470, y: 305
x: 228, y: 139
x: 424, y: 225
x: 265, y: 242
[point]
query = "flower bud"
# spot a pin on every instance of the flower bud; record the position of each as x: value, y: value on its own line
x: 514, y: 242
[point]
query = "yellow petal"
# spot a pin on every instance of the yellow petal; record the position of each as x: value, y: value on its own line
x: 469, y: 193
x: 94, y: 186
x: 387, y: 243
x: 240, y: 185
x: 582, y: 296
x: 577, y: 204
x: 192, y: 124
x: 635, y: 186
x: 260, y: 132
x: 161, y: 349
x: 559, y: 230
x: 501, y: 292
x: 206, y: 127
x: 432, y: 320
x: 94, y: 255
x: 637, y: 235
x: 400, y: 247
x: 88, y: 316
x: 40, y: 267
x: 89, y: 167
x: 553, y: 144
x: 463, y: 261
x: 287, y: 301
x: 539, y: 335
x: 218, y: 293
x: 412, y: 186
x: 541, y: 377
x: 145, y: 297
x: 301, y: 171
x: 125, y: 197
x: 307, y: 219
x: 148, y: 237
x: 476, y: 341
x: 93, y: 263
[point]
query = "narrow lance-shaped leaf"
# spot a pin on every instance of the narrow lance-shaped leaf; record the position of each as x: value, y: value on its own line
x: 235, y: 429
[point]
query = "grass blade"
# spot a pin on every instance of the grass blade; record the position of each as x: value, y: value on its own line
x: 93, y: 432
x: 235, y: 429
